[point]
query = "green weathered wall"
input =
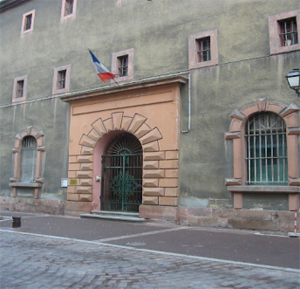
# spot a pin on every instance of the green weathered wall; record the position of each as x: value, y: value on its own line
x: 158, y: 30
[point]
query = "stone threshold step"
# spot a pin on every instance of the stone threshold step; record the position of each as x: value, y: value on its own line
x: 116, y: 213
x: 113, y: 217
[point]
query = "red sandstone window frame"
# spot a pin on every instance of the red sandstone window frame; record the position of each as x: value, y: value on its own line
x: 15, y: 181
x: 59, y: 72
x: 237, y: 184
x: 116, y: 64
x: 24, y: 28
x: 194, y: 40
x: 275, y: 31
x: 65, y: 13
x: 19, y: 89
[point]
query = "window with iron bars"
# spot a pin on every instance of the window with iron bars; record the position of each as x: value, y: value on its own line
x: 123, y: 65
x: 28, y: 159
x: 69, y: 4
x: 203, y: 49
x: 288, y: 32
x: 266, y: 150
x: 28, y: 22
x: 61, y: 79
x: 20, y: 89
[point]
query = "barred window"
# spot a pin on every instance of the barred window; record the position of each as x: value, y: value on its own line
x: 288, y: 29
x: 61, y: 79
x: 28, y: 159
x: 20, y: 88
x: 266, y: 150
x: 123, y: 65
x: 203, y: 49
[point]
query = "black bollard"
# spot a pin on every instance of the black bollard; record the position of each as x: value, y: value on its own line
x: 16, y: 222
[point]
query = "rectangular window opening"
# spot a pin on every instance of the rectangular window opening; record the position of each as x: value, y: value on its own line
x: 288, y: 32
x: 20, y: 89
x: 28, y: 22
x: 69, y: 5
x: 203, y: 49
x: 123, y: 65
x: 61, y: 79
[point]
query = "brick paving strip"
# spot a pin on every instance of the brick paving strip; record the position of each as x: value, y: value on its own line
x: 39, y: 261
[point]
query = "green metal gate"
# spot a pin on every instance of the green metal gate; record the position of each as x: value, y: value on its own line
x: 121, y: 188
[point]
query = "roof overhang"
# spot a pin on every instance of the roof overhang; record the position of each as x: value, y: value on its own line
x: 8, y: 4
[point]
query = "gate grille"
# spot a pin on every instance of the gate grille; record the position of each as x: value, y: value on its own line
x: 122, y: 175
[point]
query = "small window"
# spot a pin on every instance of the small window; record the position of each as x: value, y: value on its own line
x: 284, y: 32
x: 203, y: 49
x: 27, y: 22
x: 288, y: 32
x: 61, y: 79
x: 68, y: 9
x: 28, y: 160
x: 122, y: 65
x: 19, y: 89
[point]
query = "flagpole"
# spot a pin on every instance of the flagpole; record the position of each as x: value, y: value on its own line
x: 116, y: 82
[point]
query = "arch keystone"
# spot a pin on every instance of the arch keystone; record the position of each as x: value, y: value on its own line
x: 117, y: 120
x: 262, y: 104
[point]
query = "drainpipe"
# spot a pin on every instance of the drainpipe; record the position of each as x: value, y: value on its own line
x: 189, y: 97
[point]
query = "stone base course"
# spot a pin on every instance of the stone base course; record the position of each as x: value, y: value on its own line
x: 210, y: 217
x: 53, y: 207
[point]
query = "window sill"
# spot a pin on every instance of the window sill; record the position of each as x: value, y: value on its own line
x: 264, y: 189
x: 26, y: 185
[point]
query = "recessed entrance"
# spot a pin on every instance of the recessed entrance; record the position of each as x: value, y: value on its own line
x: 121, y: 188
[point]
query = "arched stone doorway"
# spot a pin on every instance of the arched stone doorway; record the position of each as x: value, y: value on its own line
x: 121, y: 177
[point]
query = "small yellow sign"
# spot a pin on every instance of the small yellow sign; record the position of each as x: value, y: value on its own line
x: 73, y: 182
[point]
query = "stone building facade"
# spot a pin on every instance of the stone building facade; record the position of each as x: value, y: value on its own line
x: 205, y: 126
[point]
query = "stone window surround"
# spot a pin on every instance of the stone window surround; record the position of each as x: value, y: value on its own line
x: 16, y: 150
x: 237, y: 185
x: 274, y: 31
x: 193, y: 62
x: 55, y: 90
x: 24, y: 20
x: 62, y: 15
x: 15, y: 87
x: 115, y: 64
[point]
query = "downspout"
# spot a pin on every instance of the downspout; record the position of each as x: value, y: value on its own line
x: 189, y: 100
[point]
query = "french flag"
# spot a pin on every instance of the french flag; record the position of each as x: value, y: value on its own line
x: 101, y: 70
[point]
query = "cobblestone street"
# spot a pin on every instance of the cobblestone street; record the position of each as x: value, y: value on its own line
x: 32, y: 261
